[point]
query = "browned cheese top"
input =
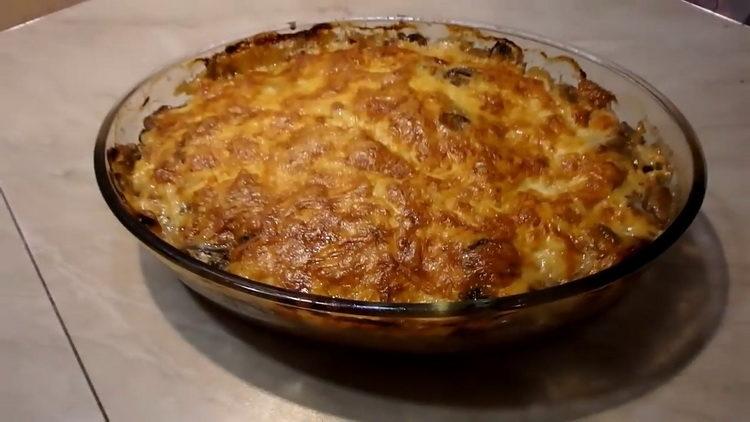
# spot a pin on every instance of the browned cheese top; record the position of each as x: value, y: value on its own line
x: 374, y: 164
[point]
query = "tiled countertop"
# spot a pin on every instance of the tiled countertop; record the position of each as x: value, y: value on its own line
x: 103, y: 331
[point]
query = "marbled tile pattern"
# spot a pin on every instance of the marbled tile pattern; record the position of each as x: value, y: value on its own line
x: 674, y: 349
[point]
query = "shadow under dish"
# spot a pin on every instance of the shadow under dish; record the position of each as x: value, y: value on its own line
x: 647, y: 337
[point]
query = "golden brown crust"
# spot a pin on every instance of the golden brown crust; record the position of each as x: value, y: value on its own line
x: 375, y: 164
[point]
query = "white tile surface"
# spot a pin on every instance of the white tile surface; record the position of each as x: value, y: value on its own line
x: 675, y: 350
x: 40, y: 379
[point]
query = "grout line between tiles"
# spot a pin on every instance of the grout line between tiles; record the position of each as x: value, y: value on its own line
x: 54, y: 307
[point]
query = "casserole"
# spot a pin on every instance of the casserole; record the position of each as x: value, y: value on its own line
x: 443, y: 324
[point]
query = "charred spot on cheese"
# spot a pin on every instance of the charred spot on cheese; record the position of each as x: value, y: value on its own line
x: 380, y: 164
x: 595, y: 94
x: 368, y: 154
x: 491, y: 263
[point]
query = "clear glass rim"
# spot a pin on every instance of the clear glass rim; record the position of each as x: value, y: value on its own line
x: 244, y: 286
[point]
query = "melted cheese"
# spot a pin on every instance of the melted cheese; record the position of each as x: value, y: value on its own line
x: 366, y: 164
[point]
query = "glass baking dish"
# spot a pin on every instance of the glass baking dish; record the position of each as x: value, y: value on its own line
x: 423, y: 327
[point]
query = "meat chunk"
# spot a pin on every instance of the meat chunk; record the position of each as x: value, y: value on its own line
x: 658, y: 203
x: 454, y: 121
x: 416, y: 38
x: 458, y: 76
x: 506, y: 49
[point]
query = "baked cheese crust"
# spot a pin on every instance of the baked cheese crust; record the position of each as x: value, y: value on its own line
x: 374, y: 164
